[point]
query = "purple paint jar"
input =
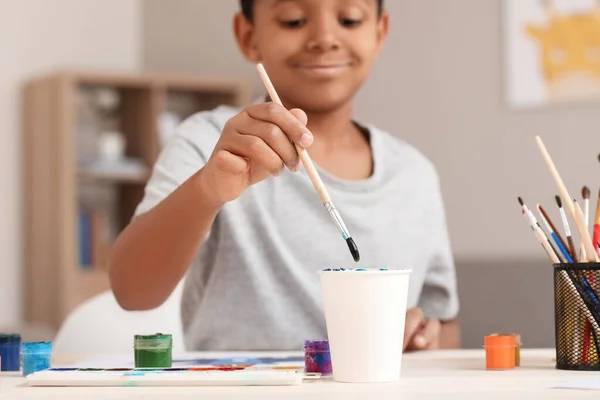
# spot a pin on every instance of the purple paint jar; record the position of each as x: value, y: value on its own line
x: 317, y: 357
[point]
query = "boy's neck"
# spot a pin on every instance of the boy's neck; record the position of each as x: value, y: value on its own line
x: 333, y: 128
x: 341, y: 148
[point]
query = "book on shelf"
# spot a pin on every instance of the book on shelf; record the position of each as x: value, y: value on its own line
x: 94, y: 239
x: 85, y: 254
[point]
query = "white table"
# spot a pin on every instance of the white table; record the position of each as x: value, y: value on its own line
x: 440, y: 375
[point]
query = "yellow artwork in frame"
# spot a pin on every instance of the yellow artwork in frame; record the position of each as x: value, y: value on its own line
x: 553, y: 51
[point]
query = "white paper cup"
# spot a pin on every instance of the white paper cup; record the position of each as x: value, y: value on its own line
x: 365, y: 311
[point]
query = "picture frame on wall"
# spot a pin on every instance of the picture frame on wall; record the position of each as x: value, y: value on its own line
x: 552, y: 52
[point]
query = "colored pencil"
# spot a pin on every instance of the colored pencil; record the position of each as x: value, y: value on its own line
x: 579, y: 223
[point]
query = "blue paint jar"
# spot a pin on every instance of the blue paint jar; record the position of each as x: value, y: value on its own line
x: 37, y: 356
x: 10, y: 346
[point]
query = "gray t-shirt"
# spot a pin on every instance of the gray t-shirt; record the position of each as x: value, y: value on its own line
x: 254, y: 283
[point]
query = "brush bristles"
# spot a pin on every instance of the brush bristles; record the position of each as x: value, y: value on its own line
x: 558, y: 201
x: 521, y: 202
x: 353, y: 249
x: 585, y: 192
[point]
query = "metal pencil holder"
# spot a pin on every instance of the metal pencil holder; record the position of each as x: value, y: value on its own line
x: 577, y: 316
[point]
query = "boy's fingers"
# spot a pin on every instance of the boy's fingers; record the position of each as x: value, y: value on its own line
x: 301, y: 115
x: 427, y: 337
x: 274, y: 137
x: 414, y: 320
x: 256, y: 150
x: 284, y: 119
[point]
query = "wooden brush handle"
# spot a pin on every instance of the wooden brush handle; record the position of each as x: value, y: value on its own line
x: 573, y: 250
x: 584, y: 234
x: 576, y: 212
x: 596, y: 238
x: 302, y: 153
x: 314, y: 176
x: 546, y: 245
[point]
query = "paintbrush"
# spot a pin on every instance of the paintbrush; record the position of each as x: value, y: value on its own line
x: 585, y: 194
x: 536, y: 225
x: 313, y: 174
x: 579, y: 222
x: 542, y: 238
x: 567, y: 228
x: 555, y: 234
x: 597, y: 225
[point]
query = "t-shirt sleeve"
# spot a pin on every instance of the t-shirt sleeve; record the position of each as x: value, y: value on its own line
x: 439, y: 295
x: 184, y: 154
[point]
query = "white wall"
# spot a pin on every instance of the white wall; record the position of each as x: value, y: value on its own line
x: 38, y: 36
x: 438, y: 85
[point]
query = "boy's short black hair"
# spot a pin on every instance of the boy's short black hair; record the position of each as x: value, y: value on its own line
x: 248, y: 6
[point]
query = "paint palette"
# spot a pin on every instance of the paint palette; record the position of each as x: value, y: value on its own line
x: 239, y: 375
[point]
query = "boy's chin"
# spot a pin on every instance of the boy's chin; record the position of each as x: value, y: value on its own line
x: 322, y: 103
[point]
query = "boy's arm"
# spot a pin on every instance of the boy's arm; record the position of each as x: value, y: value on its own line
x: 201, y: 169
x: 429, y: 334
x: 450, y: 335
x: 153, y: 253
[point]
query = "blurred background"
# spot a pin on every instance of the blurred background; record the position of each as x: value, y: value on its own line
x: 90, y: 89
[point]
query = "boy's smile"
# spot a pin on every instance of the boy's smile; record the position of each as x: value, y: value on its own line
x: 324, y: 69
x: 317, y: 52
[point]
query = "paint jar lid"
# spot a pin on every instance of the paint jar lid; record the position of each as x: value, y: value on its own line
x: 10, y: 338
x: 517, y: 336
x: 36, y: 347
x: 316, y: 345
x: 157, y: 341
x: 499, y: 341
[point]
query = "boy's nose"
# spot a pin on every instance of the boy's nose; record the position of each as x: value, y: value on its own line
x: 323, y: 38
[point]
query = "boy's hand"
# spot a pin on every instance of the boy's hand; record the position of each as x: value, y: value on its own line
x: 421, y: 333
x: 255, y: 144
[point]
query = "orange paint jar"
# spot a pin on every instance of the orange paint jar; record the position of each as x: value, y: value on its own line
x: 499, y: 352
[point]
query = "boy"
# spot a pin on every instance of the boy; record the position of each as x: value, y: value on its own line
x: 229, y: 205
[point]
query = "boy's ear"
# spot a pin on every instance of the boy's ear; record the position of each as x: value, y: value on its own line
x: 244, y: 35
x: 382, y: 30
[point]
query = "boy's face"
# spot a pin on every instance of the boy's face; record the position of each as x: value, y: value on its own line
x: 317, y: 52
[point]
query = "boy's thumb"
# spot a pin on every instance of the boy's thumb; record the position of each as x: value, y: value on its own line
x: 301, y: 115
x: 420, y: 341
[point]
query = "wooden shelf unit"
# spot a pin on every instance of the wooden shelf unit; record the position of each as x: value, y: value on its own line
x: 54, y: 282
